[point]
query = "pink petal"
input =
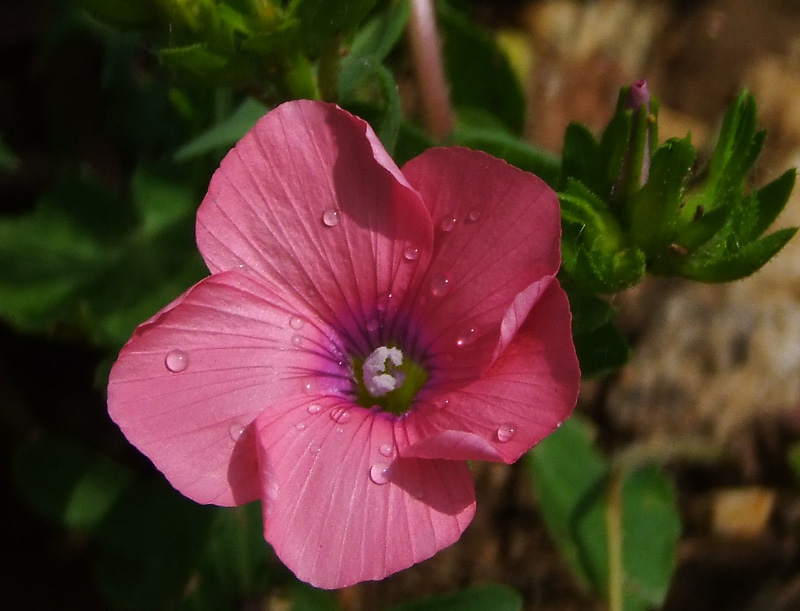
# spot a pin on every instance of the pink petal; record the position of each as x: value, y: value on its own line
x: 304, y: 167
x: 524, y: 396
x: 497, y: 245
x: 237, y: 347
x: 325, y: 515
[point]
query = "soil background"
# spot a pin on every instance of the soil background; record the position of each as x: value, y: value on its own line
x: 716, y: 363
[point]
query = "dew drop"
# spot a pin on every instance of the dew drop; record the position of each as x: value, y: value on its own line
x: 386, y: 449
x: 339, y: 430
x: 440, y: 286
x: 505, y: 432
x: 340, y: 415
x: 411, y: 253
x: 448, y: 223
x: 314, y: 408
x: 383, y: 302
x: 308, y: 388
x: 235, y: 430
x: 314, y: 448
x: 300, y: 426
x: 467, y: 337
x: 330, y: 218
x: 474, y: 215
x: 380, y: 473
x: 177, y: 361
x: 296, y: 323
x: 297, y: 341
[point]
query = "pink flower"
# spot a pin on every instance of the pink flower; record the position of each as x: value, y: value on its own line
x: 364, y: 332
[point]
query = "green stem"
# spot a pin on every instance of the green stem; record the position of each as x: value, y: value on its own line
x: 614, y: 532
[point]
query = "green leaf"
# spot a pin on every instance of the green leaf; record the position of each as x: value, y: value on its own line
x: 740, y: 264
x: 380, y: 34
x: 494, y: 597
x: 651, y: 529
x: 569, y: 477
x: 225, y: 133
x: 67, y: 482
x: 770, y: 200
x: 478, y: 70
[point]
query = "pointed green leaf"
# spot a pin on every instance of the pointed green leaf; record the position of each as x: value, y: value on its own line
x: 321, y: 20
x: 740, y: 264
x: 770, y: 201
x: 601, y: 351
x: 226, y: 133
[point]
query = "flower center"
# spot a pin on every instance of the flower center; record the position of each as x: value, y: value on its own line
x: 386, y: 379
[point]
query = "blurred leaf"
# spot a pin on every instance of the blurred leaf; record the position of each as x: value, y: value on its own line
x: 581, y: 160
x: 322, y: 19
x: 122, y: 14
x: 307, y: 598
x: 494, y: 597
x: 500, y: 143
x: 600, y: 346
x: 478, y: 71
x: 225, y: 133
x: 85, y: 259
x: 376, y: 38
x: 67, y: 482
x: 8, y: 160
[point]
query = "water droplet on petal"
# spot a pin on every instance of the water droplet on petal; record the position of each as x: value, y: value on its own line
x: 340, y: 415
x: 235, y: 430
x: 308, y: 388
x: 330, y: 218
x: 177, y: 361
x: 411, y: 253
x: 448, y: 223
x: 380, y: 473
x: 474, y: 215
x: 505, y: 433
x: 314, y: 448
x: 300, y: 426
x: 314, y: 408
x: 467, y: 337
x: 339, y: 430
x: 386, y: 449
x: 440, y: 286
x: 296, y: 323
x: 297, y: 341
x: 383, y: 302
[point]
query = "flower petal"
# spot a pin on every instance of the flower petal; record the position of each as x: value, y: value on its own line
x: 524, y: 395
x: 497, y: 244
x: 340, y: 507
x: 191, y: 380
x: 309, y: 200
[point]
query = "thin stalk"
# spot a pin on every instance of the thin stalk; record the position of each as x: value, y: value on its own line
x: 426, y: 56
x: 616, y: 574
